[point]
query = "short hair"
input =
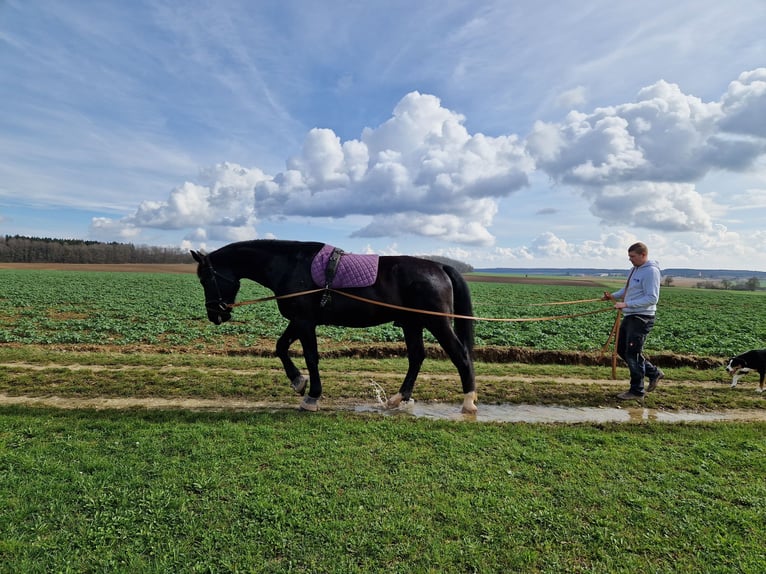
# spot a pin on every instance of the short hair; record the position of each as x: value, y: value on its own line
x: 639, y: 248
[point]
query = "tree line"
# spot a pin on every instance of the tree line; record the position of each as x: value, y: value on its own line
x: 752, y: 284
x: 21, y: 249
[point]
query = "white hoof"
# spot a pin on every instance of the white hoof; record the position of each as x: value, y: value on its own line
x: 309, y: 404
x: 469, y: 408
x: 394, y: 401
x: 299, y: 384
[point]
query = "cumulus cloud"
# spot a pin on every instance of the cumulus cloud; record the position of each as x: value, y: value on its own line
x: 744, y: 104
x: 223, y: 197
x: 637, y: 162
x: 666, y: 206
x: 556, y: 251
x: 419, y: 173
x: 421, y: 166
x: 422, y: 173
x: 609, y: 250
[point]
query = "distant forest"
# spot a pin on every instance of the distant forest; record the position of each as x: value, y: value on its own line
x: 20, y: 249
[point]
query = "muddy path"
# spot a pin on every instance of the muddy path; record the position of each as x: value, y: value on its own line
x: 361, y: 375
x: 511, y: 397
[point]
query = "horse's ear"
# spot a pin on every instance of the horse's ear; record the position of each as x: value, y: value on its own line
x: 197, y: 256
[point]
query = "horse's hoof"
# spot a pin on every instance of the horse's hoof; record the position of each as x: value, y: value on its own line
x: 299, y: 384
x: 394, y: 401
x: 469, y: 408
x: 309, y: 404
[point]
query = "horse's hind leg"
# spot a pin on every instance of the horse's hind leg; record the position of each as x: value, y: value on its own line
x: 297, y: 381
x: 461, y: 358
x: 416, y: 353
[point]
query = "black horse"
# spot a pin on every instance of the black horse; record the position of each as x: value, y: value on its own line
x: 402, y: 283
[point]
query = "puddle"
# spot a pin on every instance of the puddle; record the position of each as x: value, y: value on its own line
x: 560, y: 414
x: 437, y: 411
x: 541, y: 414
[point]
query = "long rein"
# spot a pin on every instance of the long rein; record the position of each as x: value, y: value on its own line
x: 613, y: 335
x: 427, y: 312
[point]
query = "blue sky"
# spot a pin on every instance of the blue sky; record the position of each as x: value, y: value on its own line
x: 503, y: 134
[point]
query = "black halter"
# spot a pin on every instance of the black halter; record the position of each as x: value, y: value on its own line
x: 216, y: 305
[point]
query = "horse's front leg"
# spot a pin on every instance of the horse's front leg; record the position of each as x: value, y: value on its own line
x: 416, y: 354
x: 297, y: 381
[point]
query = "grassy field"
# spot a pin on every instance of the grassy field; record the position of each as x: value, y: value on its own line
x: 177, y: 491
x: 228, y: 490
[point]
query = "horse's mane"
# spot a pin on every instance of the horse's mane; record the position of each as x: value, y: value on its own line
x: 274, y: 245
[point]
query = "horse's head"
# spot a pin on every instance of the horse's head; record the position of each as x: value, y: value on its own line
x: 220, y: 285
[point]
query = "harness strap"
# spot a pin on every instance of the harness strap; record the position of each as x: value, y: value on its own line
x: 329, y: 273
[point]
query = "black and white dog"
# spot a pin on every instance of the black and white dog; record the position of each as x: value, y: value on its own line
x: 746, y: 362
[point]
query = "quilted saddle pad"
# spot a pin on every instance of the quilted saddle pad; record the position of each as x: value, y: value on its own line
x: 353, y: 270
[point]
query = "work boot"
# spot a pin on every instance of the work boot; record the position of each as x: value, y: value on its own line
x: 654, y: 380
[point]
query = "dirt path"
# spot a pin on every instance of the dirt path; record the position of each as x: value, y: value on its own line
x: 125, y: 403
x: 395, y: 376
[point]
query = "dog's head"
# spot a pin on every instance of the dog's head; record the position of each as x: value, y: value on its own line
x: 735, y: 364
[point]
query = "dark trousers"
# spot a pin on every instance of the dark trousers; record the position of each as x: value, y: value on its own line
x: 630, y: 348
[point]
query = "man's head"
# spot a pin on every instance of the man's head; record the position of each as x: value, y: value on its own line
x: 638, y: 253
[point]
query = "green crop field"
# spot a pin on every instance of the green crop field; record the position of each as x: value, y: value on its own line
x: 167, y: 311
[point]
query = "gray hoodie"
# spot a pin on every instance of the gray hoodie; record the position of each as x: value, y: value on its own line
x: 643, y: 290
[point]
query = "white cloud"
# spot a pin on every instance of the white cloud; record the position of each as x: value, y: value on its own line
x: 223, y: 198
x: 664, y: 136
x: 718, y: 247
x: 662, y: 206
x: 549, y: 250
x: 422, y: 173
x: 547, y: 245
x: 445, y: 227
x: 744, y: 104
x: 418, y: 173
x: 637, y: 163
x: 572, y: 98
x: 107, y: 229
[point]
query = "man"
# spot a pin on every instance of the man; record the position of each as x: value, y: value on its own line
x: 638, y: 301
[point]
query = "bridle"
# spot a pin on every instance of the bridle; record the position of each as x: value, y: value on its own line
x: 215, y: 305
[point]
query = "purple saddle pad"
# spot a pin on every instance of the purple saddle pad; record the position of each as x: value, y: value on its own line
x: 352, y: 271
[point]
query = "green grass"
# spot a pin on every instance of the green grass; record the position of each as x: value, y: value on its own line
x: 288, y: 492
x: 182, y: 491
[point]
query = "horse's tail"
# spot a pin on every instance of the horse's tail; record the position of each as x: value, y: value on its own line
x: 464, y: 328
